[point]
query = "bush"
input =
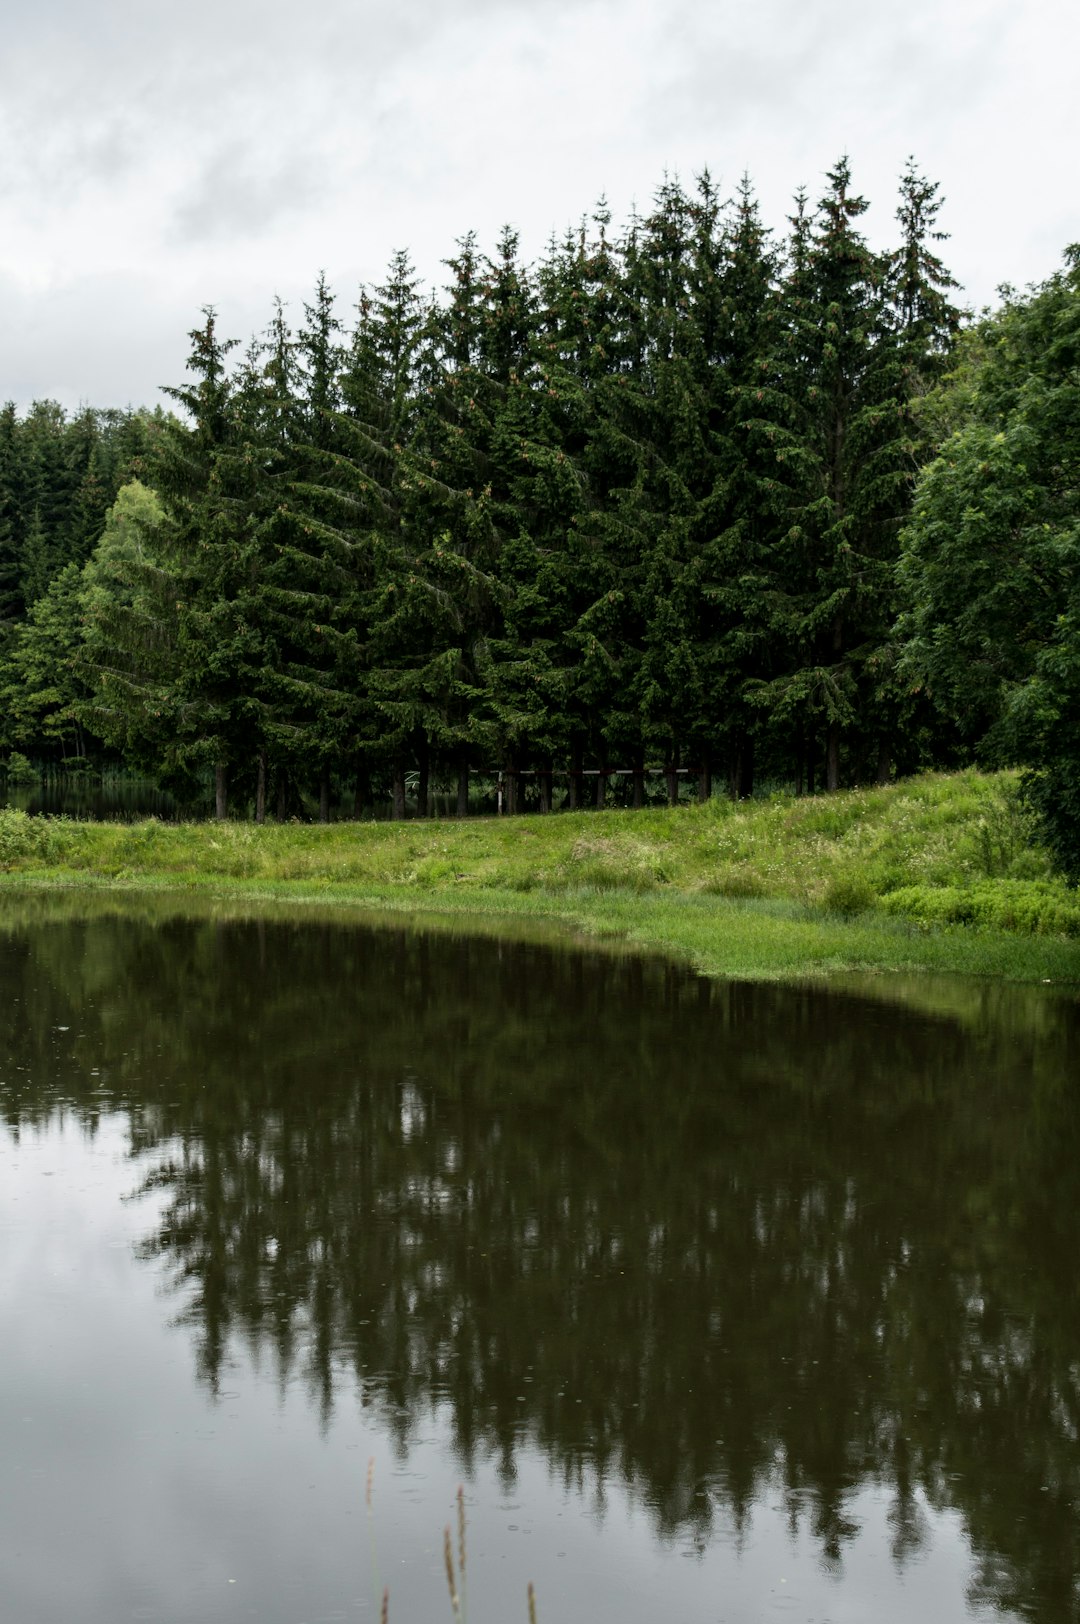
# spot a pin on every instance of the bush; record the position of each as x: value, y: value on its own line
x: 23, y: 839
x: 18, y: 770
x: 849, y: 894
x: 1026, y: 907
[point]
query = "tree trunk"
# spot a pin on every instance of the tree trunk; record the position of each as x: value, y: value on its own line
x: 601, y: 788
x: 746, y: 768
x: 282, y: 794
x: 704, y: 786
x: 463, y: 786
x: 832, y: 757
x: 575, y: 778
x: 220, y: 790
x: 324, y: 795
x: 362, y: 792
x: 260, y: 790
x: 423, y: 796
x: 399, y: 790
x: 741, y: 772
x: 639, y: 779
x: 545, y: 788
x: 673, y: 779
x: 884, y: 762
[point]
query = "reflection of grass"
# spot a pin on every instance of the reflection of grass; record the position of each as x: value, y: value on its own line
x: 455, y: 1575
x: 938, y: 872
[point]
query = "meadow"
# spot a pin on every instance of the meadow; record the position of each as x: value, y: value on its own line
x: 942, y: 872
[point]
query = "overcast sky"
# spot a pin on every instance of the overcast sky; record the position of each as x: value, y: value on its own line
x: 157, y: 159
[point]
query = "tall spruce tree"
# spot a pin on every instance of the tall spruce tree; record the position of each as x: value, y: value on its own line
x: 844, y: 451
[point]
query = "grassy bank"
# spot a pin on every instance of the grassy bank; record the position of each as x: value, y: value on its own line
x: 937, y: 873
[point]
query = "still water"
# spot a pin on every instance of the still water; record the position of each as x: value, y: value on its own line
x: 723, y: 1303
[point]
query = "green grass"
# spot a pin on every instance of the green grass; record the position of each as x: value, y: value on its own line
x: 936, y: 873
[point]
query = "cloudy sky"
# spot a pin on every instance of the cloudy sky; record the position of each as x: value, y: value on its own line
x: 157, y: 159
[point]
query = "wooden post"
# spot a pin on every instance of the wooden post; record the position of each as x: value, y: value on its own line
x: 545, y: 787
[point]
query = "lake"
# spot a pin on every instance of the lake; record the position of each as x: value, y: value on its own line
x: 722, y: 1302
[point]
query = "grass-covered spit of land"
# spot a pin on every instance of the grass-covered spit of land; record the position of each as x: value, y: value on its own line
x: 940, y: 872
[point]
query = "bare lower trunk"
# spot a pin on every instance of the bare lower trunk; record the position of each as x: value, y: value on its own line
x: 260, y: 789
x: 545, y: 789
x: 575, y: 779
x: 423, y: 793
x: 704, y: 785
x: 746, y: 769
x: 399, y: 790
x: 601, y: 788
x: 884, y: 762
x: 362, y: 791
x: 463, y: 787
x: 832, y: 757
x: 639, y: 779
x: 673, y: 779
x: 324, y: 795
x: 221, y: 802
x: 282, y: 795
x: 741, y: 773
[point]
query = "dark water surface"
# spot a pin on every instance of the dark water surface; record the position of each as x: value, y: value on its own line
x: 725, y: 1303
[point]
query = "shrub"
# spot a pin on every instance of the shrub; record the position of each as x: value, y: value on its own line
x: 23, y: 839
x: 849, y: 894
x: 1027, y: 907
x: 18, y: 770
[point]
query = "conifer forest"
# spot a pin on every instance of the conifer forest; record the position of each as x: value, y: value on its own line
x: 690, y: 505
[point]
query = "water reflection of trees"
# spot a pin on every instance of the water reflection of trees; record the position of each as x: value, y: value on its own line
x: 701, y: 1238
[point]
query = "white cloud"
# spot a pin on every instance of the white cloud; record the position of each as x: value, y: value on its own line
x: 219, y: 152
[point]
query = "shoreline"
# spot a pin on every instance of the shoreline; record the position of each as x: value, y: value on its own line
x: 861, y: 883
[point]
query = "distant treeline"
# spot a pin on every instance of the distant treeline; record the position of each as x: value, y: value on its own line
x: 689, y: 496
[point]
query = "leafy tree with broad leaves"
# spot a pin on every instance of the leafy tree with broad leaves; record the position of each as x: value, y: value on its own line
x: 991, y: 559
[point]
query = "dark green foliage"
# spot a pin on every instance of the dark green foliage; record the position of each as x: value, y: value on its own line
x: 992, y: 554
x: 637, y: 507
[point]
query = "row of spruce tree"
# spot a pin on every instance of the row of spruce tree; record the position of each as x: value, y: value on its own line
x: 636, y: 508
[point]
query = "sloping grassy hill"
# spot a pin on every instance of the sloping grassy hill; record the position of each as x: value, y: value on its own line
x: 939, y: 871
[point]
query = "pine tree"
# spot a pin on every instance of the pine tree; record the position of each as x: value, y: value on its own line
x: 741, y: 632
x: 844, y: 451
